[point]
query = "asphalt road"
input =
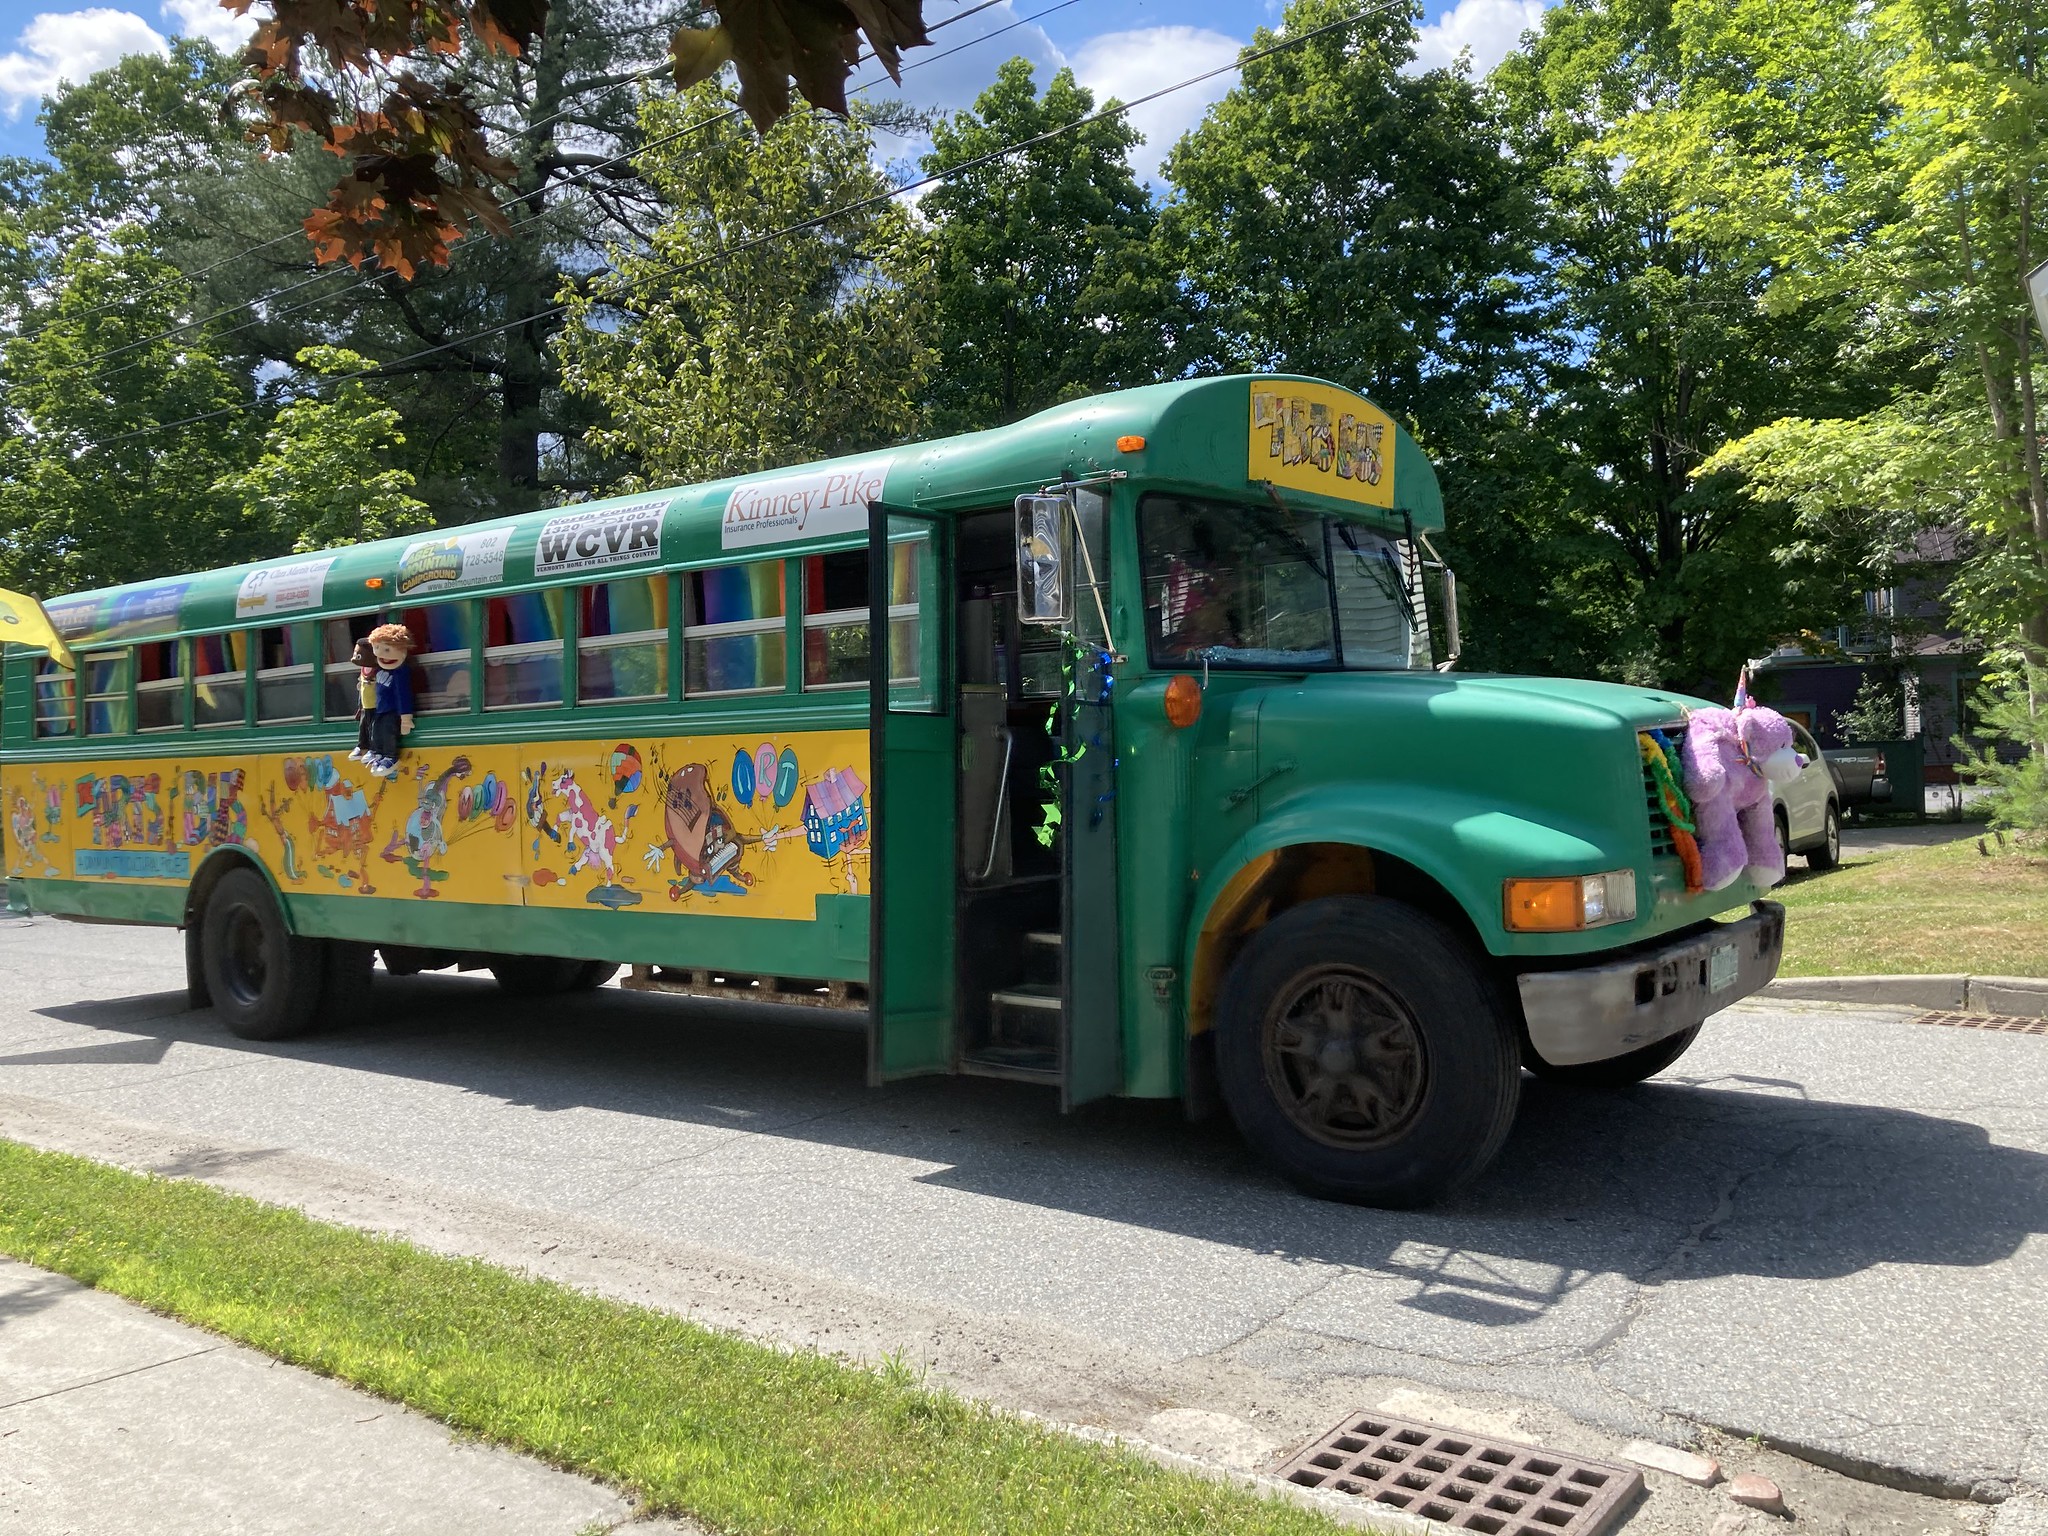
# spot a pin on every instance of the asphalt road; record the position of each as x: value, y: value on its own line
x: 1821, y: 1227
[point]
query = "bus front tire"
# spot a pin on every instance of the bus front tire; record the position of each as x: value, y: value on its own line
x: 265, y: 981
x: 1365, y: 1053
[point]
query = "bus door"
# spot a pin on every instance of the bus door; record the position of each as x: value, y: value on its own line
x: 911, y: 751
x: 1092, y: 1044
x: 1036, y: 810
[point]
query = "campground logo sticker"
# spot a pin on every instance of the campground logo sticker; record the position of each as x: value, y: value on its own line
x: 454, y: 560
x: 584, y: 541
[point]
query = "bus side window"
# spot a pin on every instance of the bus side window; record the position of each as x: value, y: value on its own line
x: 443, y: 640
x: 733, y: 638
x: 220, y: 679
x: 106, y: 694
x: 159, y: 686
x: 284, y: 674
x: 836, y: 643
x: 338, y: 639
x: 55, y: 699
x: 622, y: 640
x: 523, y: 649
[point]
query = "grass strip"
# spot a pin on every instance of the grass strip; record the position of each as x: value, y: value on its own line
x: 743, y: 1437
x: 1945, y: 908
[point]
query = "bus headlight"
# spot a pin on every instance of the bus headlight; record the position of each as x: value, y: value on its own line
x: 1569, y: 903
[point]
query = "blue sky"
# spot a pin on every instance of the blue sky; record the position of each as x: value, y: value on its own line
x: 1124, y: 47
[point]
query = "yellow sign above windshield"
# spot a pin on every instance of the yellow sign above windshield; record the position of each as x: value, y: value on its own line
x: 1311, y: 437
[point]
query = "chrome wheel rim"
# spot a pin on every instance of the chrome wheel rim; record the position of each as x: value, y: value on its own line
x: 1344, y: 1058
x: 1834, y: 838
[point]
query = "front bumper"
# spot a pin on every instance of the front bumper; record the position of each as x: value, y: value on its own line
x: 1596, y: 1012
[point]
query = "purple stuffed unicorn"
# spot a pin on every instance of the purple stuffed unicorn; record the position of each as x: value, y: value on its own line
x: 1731, y: 758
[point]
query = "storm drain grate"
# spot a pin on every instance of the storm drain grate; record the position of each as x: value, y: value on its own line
x: 1464, y: 1481
x: 2003, y: 1022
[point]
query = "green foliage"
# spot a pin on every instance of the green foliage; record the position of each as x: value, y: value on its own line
x: 324, y: 476
x: 745, y: 1437
x: 1046, y: 283
x: 1673, y: 576
x: 717, y: 352
x: 1883, y: 162
x: 91, y: 491
x: 1333, y: 215
x: 1877, y: 713
x: 2010, y: 753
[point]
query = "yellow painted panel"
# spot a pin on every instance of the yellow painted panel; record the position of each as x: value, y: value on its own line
x: 743, y: 826
x: 38, y: 825
x: 1311, y: 437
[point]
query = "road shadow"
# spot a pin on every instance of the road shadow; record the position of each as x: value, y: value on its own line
x: 1676, y: 1178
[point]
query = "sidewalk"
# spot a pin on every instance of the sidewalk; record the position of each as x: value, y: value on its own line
x: 115, y: 1420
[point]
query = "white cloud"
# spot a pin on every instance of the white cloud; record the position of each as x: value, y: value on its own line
x: 950, y: 81
x: 1128, y: 65
x: 1492, y: 29
x: 60, y: 46
x: 205, y: 18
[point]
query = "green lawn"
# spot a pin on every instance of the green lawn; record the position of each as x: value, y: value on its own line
x: 743, y: 1437
x: 1945, y: 909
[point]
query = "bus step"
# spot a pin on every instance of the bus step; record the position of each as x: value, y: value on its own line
x: 803, y: 991
x: 1019, y: 1063
x: 1042, y: 953
x: 1034, y: 995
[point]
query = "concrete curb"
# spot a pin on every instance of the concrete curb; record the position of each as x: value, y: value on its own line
x: 2023, y: 997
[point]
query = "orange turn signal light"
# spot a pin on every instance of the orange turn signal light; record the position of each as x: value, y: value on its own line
x: 1545, y: 906
x: 1130, y: 444
x: 1183, y: 701
x: 374, y: 581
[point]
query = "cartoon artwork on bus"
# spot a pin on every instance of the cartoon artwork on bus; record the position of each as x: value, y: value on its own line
x: 716, y: 824
x: 29, y: 854
x: 338, y: 816
x: 590, y: 839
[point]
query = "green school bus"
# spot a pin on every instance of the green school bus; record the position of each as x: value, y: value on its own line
x: 1119, y: 751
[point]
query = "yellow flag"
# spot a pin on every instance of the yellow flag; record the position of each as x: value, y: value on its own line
x: 23, y: 622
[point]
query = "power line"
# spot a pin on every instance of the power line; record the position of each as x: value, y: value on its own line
x: 856, y: 206
x: 364, y: 280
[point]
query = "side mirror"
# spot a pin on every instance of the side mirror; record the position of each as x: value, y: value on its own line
x: 1045, y: 595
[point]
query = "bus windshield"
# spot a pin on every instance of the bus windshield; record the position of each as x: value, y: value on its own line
x: 1231, y: 584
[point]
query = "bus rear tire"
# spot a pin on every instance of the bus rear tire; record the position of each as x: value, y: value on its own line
x: 537, y: 975
x: 595, y: 973
x: 265, y: 981
x: 1363, y: 1051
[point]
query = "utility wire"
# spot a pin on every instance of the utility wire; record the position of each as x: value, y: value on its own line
x: 674, y: 269
x: 364, y: 280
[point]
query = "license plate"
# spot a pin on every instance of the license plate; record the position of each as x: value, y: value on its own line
x: 1721, y: 968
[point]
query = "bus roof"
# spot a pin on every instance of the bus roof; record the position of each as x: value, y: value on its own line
x: 1313, y: 442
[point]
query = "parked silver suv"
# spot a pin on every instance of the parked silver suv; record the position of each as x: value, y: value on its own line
x: 1809, y: 808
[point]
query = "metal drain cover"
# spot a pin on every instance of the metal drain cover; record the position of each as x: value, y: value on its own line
x: 2005, y: 1023
x: 1466, y: 1482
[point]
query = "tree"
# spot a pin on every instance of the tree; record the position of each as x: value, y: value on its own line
x: 1666, y: 356
x: 731, y: 345
x: 1047, y: 280
x: 462, y: 349
x: 325, y: 475
x: 1885, y: 163
x: 110, y: 474
x: 1336, y: 215
x: 386, y: 85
